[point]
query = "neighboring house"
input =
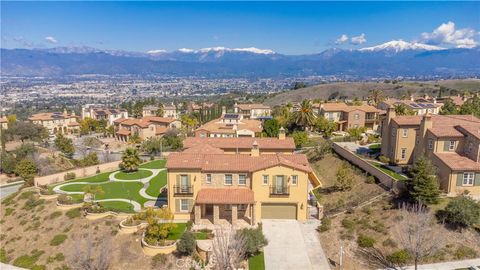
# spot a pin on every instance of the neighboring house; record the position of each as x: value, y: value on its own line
x: 217, y: 187
x: 150, y: 110
x: 350, y: 116
x: 419, y: 106
x: 253, y: 111
x: 240, y: 145
x: 170, y: 111
x: 193, y: 107
x: 229, y: 125
x: 3, y: 122
x: 146, y: 127
x: 97, y: 112
x: 451, y: 142
x: 57, y: 122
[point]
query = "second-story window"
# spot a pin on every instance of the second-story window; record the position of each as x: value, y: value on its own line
x: 208, y: 179
x: 265, y: 180
x: 405, y: 133
x: 294, y: 180
x: 430, y: 144
x: 451, y: 145
x: 242, y: 179
x: 228, y: 179
x: 468, y: 178
x: 357, y: 116
x: 404, y: 153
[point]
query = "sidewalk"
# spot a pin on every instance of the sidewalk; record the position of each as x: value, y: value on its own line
x: 447, y: 265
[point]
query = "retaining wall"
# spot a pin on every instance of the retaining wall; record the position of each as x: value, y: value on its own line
x: 385, y: 179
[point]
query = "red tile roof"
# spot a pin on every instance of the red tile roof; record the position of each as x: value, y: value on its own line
x: 241, y: 142
x: 225, y: 196
x: 167, y: 120
x: 458, y: 162
x: 236, y: 162
x: 203, y: 148
x: 123, y: 131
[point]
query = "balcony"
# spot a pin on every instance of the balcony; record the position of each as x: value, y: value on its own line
x: 279, y: 191
x: 183, y: 190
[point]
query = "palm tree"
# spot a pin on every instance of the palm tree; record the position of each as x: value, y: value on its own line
x: 130, y: 160
x: 402, y: 109
x: 376, y: 96
x: 304, y: 117
x: 159, y: 111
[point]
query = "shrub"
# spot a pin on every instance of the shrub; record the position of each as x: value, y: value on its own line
x: 58, y: 239
x: 461, y: 211
x: 326, y: 224
x: 367, y: 210
x: 383, y: 159
x: 28, y: 261
x: 464, y: 252
x: 3, y: 256
x: 189, y: 225
x: 370, y: 179
x: 73, y: 213
x: 9, y: 211
x: 55, y: 214
x: 389, y: 243
x: 365, y: 241
x: 400, y: 257
x: 158, y: 260
x: 26, y: 195
x: 32, y: 203
x: 254, y: 240
x: 348, y: 224
x: 187, y: 243
x: 69, y: 176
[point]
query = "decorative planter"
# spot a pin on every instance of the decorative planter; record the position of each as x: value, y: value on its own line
x: 94, y: 216
x: 48, y: 197
x: 69, y: 206
x: 204, y: 249
x: 154, y: 250
x: 126, y: 229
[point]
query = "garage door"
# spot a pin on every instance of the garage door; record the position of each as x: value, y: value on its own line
x: 279, y: 211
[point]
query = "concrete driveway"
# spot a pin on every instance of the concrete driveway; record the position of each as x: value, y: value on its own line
x: 293, y: 245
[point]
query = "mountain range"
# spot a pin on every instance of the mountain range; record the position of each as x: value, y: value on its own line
x: 391, y: 59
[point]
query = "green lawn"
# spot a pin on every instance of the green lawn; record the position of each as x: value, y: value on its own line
x: 177, y: 232
x: 118, y: 207
x: 201, y: 235
x: 156, y: 164
x: 393, y: 174
x: 133, y: 175
x: 102, y: 177
x: 256, y: 262
x: 156, y: 183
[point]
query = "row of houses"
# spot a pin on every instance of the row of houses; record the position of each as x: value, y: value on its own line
x: 239, y: 180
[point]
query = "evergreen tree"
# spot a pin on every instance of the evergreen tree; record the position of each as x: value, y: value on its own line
x: 449, y: 108
x: 271, y: 127
x: 423, y: 187
x: 64, y: 145
x: 344, y: 177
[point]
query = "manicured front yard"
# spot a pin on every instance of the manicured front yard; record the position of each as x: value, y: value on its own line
x: 256, y: 262
x: 177, y: 232
x: 118, y: 207
x: 133, y: 175
x: 156, y: 164
x: 386, y: 170
x: 156, y: 183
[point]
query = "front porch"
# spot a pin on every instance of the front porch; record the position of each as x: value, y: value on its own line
x: 224, y: 206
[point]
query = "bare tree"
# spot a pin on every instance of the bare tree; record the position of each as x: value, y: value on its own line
x: 377, y: 258
x: 228, y: 248
x: 418, y: 233
x: 88, y: 255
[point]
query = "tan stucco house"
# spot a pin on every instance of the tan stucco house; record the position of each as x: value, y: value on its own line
x: 252, y: 110
x: 450, y: 141
x: 146, y: 127
x: 350, y: 116
x: 57, y: 122
x: 229, y: 125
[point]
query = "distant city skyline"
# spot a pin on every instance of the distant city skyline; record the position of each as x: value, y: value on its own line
x: 283, y: 27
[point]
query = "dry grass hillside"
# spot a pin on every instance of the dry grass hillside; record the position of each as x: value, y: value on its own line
x: 361, y: 89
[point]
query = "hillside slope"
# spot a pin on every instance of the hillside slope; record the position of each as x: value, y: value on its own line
x: 361, y: 89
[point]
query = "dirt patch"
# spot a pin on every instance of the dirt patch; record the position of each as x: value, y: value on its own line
x: 29, y: 224
x: 376, y: 221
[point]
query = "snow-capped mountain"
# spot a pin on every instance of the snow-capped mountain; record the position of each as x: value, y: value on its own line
x: 400, y: 45
x: 224, y: 49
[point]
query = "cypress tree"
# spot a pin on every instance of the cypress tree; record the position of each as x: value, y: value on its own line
x: 423, y: 187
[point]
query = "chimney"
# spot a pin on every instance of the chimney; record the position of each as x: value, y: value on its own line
x: 65, y: 111
x: 281, y: 134
x: 255, y: 149
x: 390, y: 114
x: 73, y: 113
x: 224, y: 110
x: 235, y: 108
x: 425, y: 124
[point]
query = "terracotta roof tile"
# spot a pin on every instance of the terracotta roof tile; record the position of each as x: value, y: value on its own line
x: 203, y: 149
x: 458, y: 162
x: 241, y: 142
x: 220, y: 127
x: 225, y: 196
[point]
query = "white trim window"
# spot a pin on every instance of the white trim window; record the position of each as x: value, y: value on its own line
x: 451, y: 146
x: 266, y: 180
x: 183, y: 205
x: 242, y: 179
x: 228, y: 180
x: 357, y: 116
x: 405, y: 133
x: 468, y: 178
x: 294, y: 180
x: 403, y: 153
x: 430, y: 144
x: 208, y: 178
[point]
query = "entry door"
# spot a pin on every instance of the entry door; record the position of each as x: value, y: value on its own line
x: 280, y: 183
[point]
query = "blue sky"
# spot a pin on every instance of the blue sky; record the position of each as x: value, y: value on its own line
x: 285, y: 27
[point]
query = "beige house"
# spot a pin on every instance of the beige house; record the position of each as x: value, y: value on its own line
x: 252, y: 111
x: 419, y: 106
x: 218, y: 187
x: 450, y: 141
x: 229, y: 125
x: 350, y: 116
x: 240, y: 145
x: 3, y: 122
x: 146, y: 127
x: 170, y: 111
x: 57, y: 122
x: 97, y: 112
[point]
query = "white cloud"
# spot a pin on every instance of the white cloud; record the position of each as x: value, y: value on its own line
x: 51, y: 40
x: 446, y: 33
x: 358, y: 39
x: 342, y: 39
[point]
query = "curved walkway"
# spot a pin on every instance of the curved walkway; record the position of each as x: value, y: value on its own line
x: 111, y: 178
